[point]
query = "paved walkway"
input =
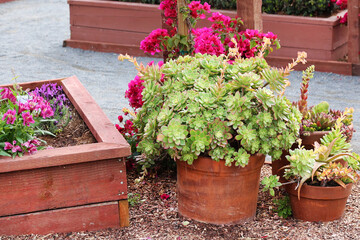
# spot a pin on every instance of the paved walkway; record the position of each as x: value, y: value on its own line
x: 31, y: 35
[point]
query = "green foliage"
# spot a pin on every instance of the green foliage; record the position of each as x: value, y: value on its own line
x: 270, y: 183
x: 283, y: 207
x: 206, y: 106
x: 299, y: 7
x: 134, y: 199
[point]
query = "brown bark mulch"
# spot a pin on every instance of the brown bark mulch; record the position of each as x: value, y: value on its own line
x: 154, y: 218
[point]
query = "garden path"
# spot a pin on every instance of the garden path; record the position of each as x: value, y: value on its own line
x: 31, y: 35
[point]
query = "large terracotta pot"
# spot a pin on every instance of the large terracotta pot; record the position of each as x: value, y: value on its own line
x: 208, y: 191
x: 318, y: 203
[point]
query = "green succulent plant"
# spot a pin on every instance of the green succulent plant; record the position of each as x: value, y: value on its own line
x: 325, y: 164
x: 207, y: 105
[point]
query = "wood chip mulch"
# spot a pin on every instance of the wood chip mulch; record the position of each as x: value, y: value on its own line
x: 154, y: 218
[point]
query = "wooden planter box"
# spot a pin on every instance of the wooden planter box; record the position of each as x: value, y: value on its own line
x: 321, y: 38
x: 111, y: 26
x: 77, y: 188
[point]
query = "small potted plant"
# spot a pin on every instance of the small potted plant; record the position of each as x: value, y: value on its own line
x: 217, y: 117
x: 320, y: 179
x: 317, y: 121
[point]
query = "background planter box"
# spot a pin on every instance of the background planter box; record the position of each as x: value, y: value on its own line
x: 111, y: 26
x: 321, y: 38
x: 77, y: 188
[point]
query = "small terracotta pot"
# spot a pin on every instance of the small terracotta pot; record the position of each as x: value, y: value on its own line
x: 318, y: 203
x: 308, y: 141
x: 208, y: 191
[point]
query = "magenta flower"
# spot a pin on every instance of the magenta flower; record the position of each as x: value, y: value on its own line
x: 28, y: 118
x: 169, y: 7
x: 14, y: 148
x: 165, y: 196
x: 6, y: 93
x: 134, y: 92
x: 10, y: 116
x: 154, y: 42
x: 206, y: 41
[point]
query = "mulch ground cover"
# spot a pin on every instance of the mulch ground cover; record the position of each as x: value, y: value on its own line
x: 152, y: 217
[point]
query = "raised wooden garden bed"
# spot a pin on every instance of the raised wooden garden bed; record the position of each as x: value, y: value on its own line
x: 77, y: 188
x: 111, y: 26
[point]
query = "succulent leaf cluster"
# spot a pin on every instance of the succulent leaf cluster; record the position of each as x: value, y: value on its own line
x: 207, y: 105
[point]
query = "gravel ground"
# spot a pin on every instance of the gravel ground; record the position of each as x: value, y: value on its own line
x: 31, y: 35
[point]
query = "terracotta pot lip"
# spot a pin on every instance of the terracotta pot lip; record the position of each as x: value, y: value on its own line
x: 318, y: 192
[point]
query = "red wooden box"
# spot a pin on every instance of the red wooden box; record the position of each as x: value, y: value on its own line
x: 67, y: 189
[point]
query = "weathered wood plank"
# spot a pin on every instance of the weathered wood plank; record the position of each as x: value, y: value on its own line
x: 127, y: 18
x: 101, y: 35
x: 124, y: 213
x: 82, y: 218
x: 250, y: 12
x: 64, y: 156
x: 96, y: 120
x: 62, y: 186
x: 354, y: 35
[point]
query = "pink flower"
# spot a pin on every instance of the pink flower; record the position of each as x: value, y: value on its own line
x: 14, y: 148
x: 206, y: 41
x: 165, y: 196
x: 120, y: 118
x: 197, y: 9
x: 6, y: 93
x: 28, y: 118
x: 169, y: 22
x: 169, y: 7
x: 10, y: 116
x: 154, y: 42
x: 134, y: 92
x: 160, y: 64
x: 23, y: 107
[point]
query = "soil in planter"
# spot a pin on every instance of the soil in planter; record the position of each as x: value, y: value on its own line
x: 75, y: 133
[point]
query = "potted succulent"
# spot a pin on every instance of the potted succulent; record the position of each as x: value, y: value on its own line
x: 317, y: 121
x: 320, y: 179
x: 217, y: 117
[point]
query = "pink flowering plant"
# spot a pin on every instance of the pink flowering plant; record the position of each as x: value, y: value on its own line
x: 21, y: 113
x: 213, y: 40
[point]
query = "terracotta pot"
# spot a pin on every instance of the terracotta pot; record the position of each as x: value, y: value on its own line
x: 308, y: 141
x: 318, y: 203
x: 208, y: 191
x: 75, y: 188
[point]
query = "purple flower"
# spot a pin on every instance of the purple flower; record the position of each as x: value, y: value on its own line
x: 10, y: 116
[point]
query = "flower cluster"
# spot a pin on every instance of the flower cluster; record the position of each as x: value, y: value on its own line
x: 169, y: 7
x: 214, y: 40
x: 59, y: 103
x: 20, y: 115
x: 206, y: 41
x: 53, y: 93
x: 133, y: 93
x: 197, y: 9
x: 154, y: 42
